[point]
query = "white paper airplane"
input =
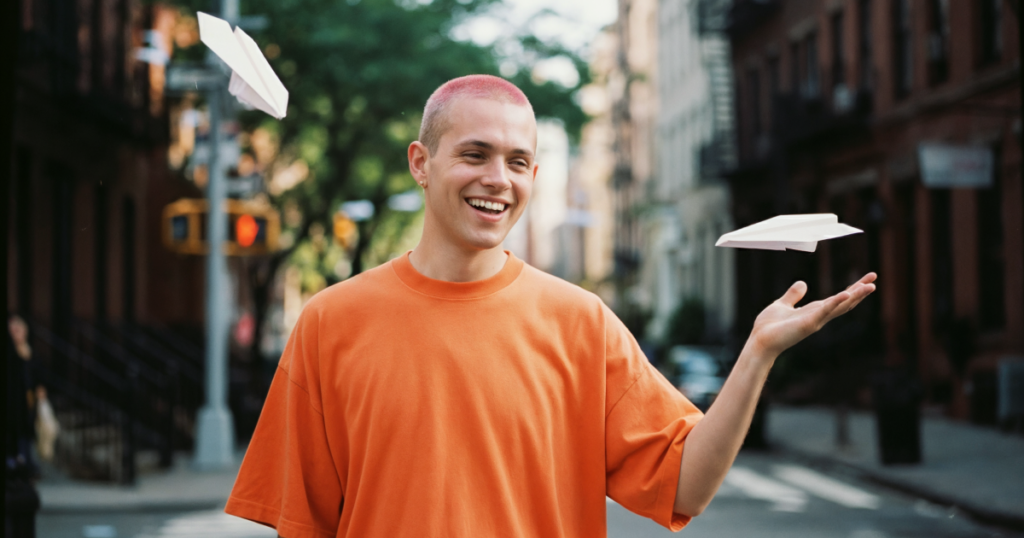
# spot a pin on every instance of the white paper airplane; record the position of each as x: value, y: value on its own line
x: 793, y: 232
x: 253, y: 82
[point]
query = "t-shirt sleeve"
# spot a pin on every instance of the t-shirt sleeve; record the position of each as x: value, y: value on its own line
x: 646, y: 424
x: 288, y: 479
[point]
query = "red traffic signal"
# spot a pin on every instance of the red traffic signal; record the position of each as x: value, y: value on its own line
x: 246, y: 230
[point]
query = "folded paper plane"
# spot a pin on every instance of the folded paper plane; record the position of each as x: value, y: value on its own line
x: 253, y: 82
x: 793, y: 232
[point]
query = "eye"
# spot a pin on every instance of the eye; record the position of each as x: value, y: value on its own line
x: 520, y: 163
x: 473, y: 155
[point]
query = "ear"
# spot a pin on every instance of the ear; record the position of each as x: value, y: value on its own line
x: 419, y: 156
x: 536, y: 167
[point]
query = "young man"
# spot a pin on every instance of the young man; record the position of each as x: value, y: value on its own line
x: 457, y: 392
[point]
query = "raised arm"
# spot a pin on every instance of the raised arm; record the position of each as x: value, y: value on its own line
x: 715, y: 441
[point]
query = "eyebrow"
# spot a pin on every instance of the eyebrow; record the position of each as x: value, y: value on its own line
x: 488, y: 146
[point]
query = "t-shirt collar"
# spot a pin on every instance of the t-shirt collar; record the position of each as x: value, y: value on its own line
x: 457, y: 290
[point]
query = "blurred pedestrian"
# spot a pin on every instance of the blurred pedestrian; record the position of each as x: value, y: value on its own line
x: 40, y: 425
x: 458, y: 392
x: 21, y: 396
x: 21, y: 501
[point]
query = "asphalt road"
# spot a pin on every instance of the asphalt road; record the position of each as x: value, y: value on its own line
x: 770, y: 496
x: 765, y: 496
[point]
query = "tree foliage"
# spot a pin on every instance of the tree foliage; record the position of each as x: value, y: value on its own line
x: 358, y: 74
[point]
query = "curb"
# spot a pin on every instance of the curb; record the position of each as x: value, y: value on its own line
x: 135, y: 507
x: 999, y: 518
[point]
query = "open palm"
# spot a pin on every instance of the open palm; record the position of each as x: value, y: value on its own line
x: 782, y: 325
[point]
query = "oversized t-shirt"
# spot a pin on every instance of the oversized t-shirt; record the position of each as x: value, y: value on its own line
x: 511, y: 406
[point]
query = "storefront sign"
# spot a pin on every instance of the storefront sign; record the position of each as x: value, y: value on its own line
x: 945, y: 166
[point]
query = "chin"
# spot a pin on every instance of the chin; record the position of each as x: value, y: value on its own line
x: 485, y: 242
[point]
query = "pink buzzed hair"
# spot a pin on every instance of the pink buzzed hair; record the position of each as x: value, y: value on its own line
x: 435, y: 114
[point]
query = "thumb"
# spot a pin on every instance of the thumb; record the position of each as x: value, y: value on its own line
x: 794, y: 294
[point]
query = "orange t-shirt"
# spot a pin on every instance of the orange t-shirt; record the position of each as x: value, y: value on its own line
x: 406, y: 406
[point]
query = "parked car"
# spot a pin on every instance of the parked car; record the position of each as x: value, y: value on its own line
x: 700, y: 373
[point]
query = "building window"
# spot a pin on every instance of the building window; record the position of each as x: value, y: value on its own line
x: 864, y: 43
x: 903, y: 73
x: 794, y: 67
x: 938, y: 41
x: 991, y: 33
x: 838, y: 65
x: 101, y: 216
x: 991, y: 254
x: 62, y: 185
x: 23, y: 231
x: 754, y: 89
x: 942, y: 259
x: 773, y: 88
x: 128, y: 260
x: 812, y: 81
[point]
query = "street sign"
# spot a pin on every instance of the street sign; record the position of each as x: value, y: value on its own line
x: 245, y: 186
x: 195, y: 77
x: 254, y: 22
x: 408, y: 202
x: 945, y: 166
x: 358, y: 210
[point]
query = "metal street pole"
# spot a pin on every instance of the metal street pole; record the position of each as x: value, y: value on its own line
x: 215, y: 432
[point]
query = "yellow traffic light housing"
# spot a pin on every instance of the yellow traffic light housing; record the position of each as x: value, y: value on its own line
x: 345, y: 230
x: 253, y: 227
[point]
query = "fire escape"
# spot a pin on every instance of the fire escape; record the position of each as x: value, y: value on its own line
x: 719, y: 155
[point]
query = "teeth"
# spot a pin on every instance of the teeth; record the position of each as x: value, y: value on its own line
x: 493, y: 206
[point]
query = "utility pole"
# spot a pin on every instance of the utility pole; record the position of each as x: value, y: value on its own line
x: 215, y: 432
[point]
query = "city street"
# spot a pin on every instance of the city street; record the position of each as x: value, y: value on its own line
x: 765, y: 495
x: 456, y: 235
x: 769, y: 496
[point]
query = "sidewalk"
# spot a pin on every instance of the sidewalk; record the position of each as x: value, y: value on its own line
x: 182, y: 488
x: 979, y: 470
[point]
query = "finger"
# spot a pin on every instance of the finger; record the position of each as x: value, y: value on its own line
x: 856, y: 295
x: 834, y: 303
x: 821, y: 312
x: 866, y: 279
x: 794, y: 293
x: 859, y: 295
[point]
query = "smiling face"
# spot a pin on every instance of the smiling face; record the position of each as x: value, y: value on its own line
x: 479, y: 180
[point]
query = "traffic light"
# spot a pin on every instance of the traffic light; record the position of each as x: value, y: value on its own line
x: 253, y: 228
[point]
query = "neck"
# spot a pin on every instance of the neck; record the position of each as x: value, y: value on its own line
x: 442, y: 261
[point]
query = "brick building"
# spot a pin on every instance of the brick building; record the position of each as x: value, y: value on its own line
x: 902, y: 117
x: 87, y: 267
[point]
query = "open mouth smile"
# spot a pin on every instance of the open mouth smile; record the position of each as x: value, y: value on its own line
x: 484, y: 206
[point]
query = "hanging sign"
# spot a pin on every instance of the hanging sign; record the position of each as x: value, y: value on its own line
x: 945, y: 166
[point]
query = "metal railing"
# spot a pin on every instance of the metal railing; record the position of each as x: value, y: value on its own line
x: 116, y: 392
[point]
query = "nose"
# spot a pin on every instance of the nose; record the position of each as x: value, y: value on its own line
x: 496, y: 176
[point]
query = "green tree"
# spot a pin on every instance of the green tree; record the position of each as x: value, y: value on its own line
x: 358, y: 73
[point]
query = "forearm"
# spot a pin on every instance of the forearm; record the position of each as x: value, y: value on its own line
x: 712, y: 445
